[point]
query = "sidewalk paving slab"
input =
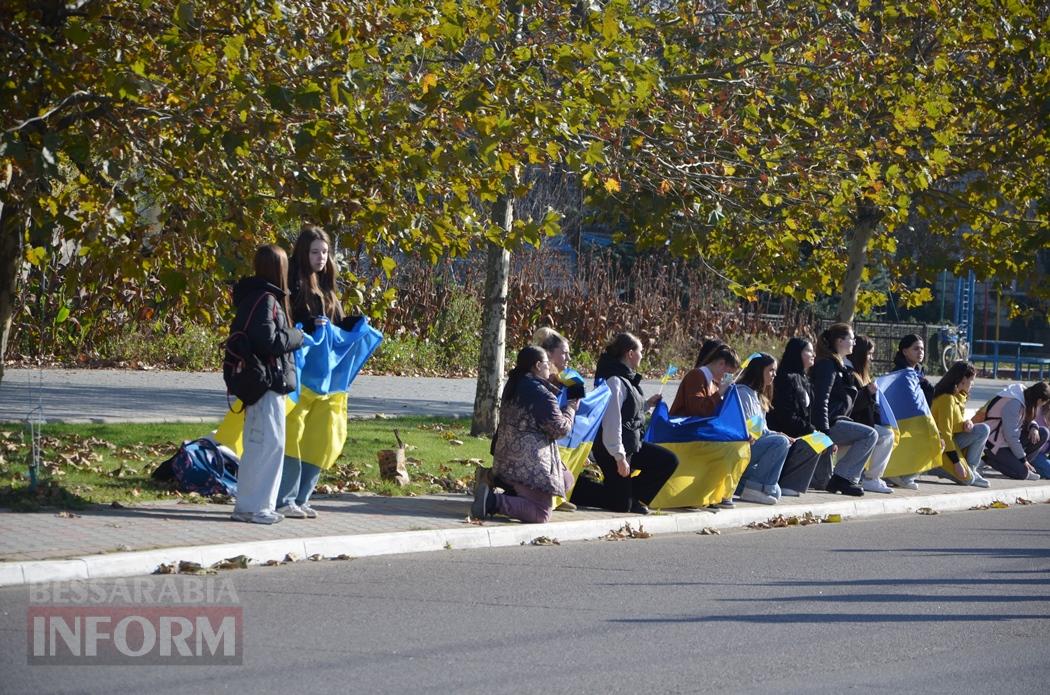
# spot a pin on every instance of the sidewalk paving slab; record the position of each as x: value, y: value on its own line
x: 106, y: 542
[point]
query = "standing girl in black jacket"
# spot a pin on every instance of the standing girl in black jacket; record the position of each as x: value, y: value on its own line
x: 264, y: 299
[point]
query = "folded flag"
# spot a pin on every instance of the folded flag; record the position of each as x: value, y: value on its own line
x: 818, y: 441
x: 576, y: 446
x: 919, y: 442
x: 712, y: 453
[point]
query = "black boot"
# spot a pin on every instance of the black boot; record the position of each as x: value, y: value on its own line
x: 845, y: 486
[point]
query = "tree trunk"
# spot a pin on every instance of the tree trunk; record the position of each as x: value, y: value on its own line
x: 493, y: 328
x: 10, y: 258
x: 863, y: 231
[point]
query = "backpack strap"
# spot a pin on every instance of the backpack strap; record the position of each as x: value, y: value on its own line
x: 244, y: 329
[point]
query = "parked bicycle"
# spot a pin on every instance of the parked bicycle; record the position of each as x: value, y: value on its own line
x: 954, y: 345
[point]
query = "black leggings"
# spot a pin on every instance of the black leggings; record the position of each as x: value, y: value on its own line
x: 617, y: 493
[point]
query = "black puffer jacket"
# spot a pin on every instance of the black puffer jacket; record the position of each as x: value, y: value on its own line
x: 273, y: 340
x: 833, y: 393
x: 792, y: 396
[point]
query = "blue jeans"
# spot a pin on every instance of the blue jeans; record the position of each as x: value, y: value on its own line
x: 861, y: 441
x: 768, y: 454
x: 972, y: 443
x: 1042, y: 466
x: 298, y: 480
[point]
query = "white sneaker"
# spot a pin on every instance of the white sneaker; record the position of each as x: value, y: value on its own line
x: 264, y: 517
x: 978, y: 481
x: 876, y: 485
x: 788, y: 492
x: 1032, y: 475
x: 750, y: 494
x: 905, y: 483
x: 292, y: 511
x: 310, y: 512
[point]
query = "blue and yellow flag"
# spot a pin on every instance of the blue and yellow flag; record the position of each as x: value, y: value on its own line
x: 577, y: 445
x: 904, y: 410
x: 817, y: 441
x: 713, y: 453
x: 326, y: 365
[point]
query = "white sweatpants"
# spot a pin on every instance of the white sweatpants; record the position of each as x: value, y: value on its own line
x: 880, y: 457
x: 263, y: 457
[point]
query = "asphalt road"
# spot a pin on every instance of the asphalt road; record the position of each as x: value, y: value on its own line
x: 109, y: 395
x: 930, y: 604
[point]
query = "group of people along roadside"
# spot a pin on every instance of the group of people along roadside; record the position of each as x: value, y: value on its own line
x: 826, y: 387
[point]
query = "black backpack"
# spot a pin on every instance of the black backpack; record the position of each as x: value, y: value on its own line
x: 247, y: 377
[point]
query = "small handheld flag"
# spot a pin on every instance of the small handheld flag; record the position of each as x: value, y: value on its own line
x: 755, y: 426
x: 571, y: 377
x: 671, y: 371
x: 818, y: 441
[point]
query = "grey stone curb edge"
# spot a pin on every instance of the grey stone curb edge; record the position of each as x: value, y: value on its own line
x: 365, y: 545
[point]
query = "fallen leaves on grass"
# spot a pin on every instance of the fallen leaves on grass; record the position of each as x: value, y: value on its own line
x: 625, y: 532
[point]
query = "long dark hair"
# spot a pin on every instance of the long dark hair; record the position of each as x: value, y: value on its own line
x: 953, y: 377
x: 271, y: 265
x: 860, y: 358
x: 527, y: 358
x: 791, y: 360
x: 1039, y: 391
x: 706, y: 348
x: 831, y: 335
x: 753, y: 377
x: 906, y: 342
x: 315, y: 289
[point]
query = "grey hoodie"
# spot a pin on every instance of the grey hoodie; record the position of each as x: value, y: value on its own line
x: 1010, y: 408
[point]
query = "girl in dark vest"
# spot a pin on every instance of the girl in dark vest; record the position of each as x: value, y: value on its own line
x: 618, y: 448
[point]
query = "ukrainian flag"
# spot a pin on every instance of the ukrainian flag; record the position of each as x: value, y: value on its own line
x: 326, y: 365
x: 713, y: 453
x: 577, y: 445
x: 904, y: 410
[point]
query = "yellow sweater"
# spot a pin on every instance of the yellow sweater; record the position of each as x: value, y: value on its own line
x: 949, y: 412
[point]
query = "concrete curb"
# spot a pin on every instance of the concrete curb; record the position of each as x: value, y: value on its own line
x: 490, y: 536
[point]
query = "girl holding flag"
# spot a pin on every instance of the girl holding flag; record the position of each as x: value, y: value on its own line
x: 317, y: 425
x: 525, y: 450
x: 769, y: 449
x: 619, y: 450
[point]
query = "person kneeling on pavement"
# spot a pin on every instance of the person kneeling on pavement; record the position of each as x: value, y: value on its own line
x: 525, y: 451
